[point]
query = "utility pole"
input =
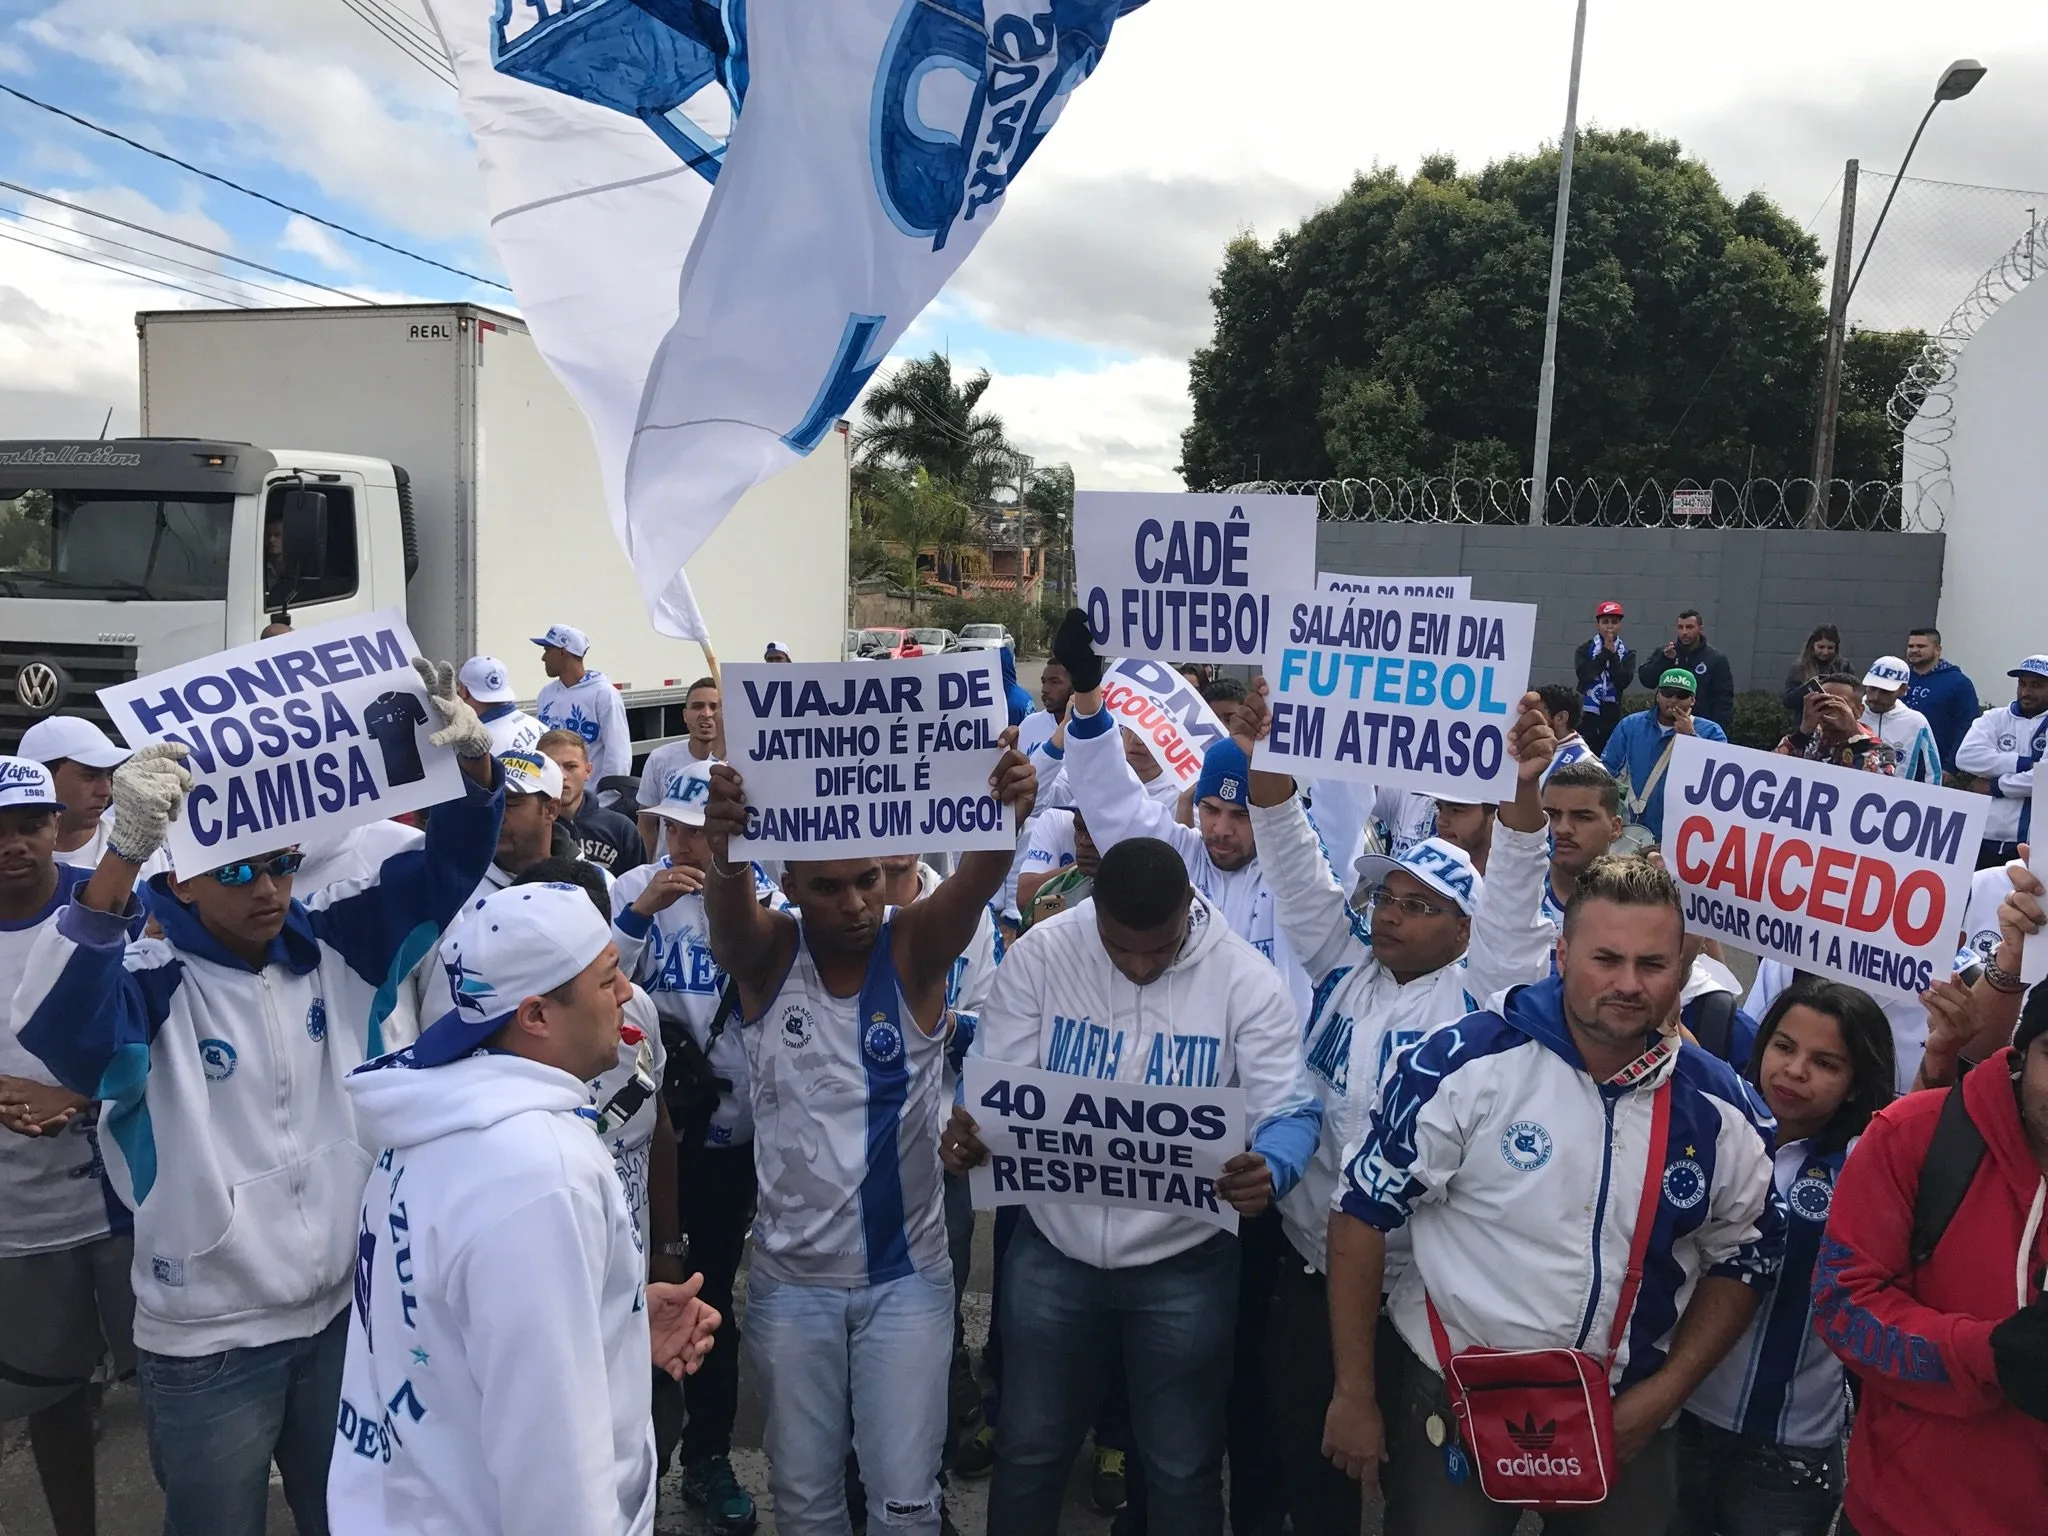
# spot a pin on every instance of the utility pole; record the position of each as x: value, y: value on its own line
x: 1546, y: 387
x: 1831, y: 368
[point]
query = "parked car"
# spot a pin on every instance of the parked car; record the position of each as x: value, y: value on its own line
x: 882, y: 644
x: 934, y: 641
x: 985, y: 637
x: 850, y: 651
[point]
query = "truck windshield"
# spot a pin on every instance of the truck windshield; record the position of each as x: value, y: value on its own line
x: 112, y: 545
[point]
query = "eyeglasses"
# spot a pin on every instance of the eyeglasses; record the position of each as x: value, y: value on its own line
x: 1409, y: 906
x: 1674, y: 694
x: 278, y: 866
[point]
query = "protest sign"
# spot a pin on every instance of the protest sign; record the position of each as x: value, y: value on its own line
x: 1854, y: 875
x: 2034, y: 958
x: 323, y: 727
x: 1171, y: 718
x: 1418, y: 693
x: 1459, y: 587
x: 864, y: 757
x: 1189, y: 578
x: 1057, y: 1139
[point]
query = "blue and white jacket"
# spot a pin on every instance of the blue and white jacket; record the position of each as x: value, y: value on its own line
x: 1519, y: 1176
x: 1781, y: 1382
x: 224, y: 1126
x: 2001, y: 747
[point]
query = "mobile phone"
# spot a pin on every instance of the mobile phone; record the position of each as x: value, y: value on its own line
x: 1811, y: 687
x: 1969, y: 966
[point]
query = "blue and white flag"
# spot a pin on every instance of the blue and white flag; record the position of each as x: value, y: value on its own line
x: 719, y: 215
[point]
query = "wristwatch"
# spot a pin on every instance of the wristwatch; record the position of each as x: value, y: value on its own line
x: 679, y: 1249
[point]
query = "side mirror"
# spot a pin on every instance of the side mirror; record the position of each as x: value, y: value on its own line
x: 305, y: 533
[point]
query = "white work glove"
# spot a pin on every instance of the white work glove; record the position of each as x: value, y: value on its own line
x: 460, y: 727
x: 148, y: 790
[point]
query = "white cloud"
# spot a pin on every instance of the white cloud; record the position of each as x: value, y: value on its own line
x: 302, y: 234
x: 1118, y: 426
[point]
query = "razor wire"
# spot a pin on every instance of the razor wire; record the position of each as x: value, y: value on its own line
x: 1599, y: 502
x: 1922, y: 408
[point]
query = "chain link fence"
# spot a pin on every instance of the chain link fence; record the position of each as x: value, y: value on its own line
x: 1939, y: 238
x: 1863, y: 505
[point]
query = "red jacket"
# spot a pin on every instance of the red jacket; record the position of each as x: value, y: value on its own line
x: 1935, y: 1448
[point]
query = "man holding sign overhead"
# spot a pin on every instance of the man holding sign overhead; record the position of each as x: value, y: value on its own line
x: 1145, y: 985
x: 218, y: 1052
x: 850, y: 1299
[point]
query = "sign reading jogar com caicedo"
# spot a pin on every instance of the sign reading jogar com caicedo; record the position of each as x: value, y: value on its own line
x: 323, y: 726
x: 1410, y: 693
x: 1189, y: 578
x: 1858, y: 876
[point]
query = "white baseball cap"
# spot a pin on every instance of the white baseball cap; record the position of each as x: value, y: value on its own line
x: 1444, y: 867
x: 574, y: 641
x: 685, y: 795
x: 487, y: 680
x: 1888, y: 672
x: 70, y: 737
x: 25, y: 784
x: 521, y: 942
x: 774, y: 645
x: 2033, y: 666
x: 531, y: 773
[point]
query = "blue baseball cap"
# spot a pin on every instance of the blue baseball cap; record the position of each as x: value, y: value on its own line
x: 1444, y: 867
x: 1226, y: 774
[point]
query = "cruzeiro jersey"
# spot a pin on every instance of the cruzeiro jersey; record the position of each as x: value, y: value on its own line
x: 849, y: 1095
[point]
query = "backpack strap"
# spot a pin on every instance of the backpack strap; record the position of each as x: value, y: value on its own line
x: 1646, y: 1216
x: 1713, y: 1023
x: 728, y: 1010
x: 1945, y: 1177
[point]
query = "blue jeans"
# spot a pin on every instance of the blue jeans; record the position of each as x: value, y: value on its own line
x: 1734, y: 1485
x: 1063, y: 1323
x: 865, y: 1367
x: 216, y: 1422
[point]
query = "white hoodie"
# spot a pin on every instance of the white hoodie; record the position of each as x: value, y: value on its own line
x: 592, y: 709
x: 498, y: 1370
x: 1218, y: 1017
x: 1362, y: 1017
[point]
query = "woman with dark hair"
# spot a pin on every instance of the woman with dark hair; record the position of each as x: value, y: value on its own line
x: 1760, y: 1442
x: 1821, y: 654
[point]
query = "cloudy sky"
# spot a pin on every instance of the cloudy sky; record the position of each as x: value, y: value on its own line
x: 1090, y: 292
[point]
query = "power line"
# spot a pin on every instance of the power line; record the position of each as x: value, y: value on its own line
x: 161, y: 282
x: 190, y: 245
x: 262, y: 197
x: 390, y: 26
x: 158, y: 257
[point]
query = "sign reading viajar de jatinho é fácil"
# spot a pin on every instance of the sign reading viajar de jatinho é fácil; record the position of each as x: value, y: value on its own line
x: 846, y: 758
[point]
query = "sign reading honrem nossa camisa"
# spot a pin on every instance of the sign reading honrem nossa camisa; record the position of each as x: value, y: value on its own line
x: 322, y: 729
x: 1859, y: 876
x: 865, y: 757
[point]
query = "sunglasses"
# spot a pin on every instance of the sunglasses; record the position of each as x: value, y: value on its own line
x: 1673, y: 693
x: 278, y: 866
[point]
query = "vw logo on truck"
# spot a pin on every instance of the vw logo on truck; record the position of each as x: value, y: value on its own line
x: 39, y: 686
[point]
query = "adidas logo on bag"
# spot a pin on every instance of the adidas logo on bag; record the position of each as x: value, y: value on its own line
x: 1529, y: 1437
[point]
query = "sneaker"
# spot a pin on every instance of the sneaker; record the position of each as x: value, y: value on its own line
x: 728, y: 1508
x: 976, y: 1458
x: 1106, y: 1490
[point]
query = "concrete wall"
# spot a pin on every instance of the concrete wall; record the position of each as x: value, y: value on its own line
x: 1991, y: 606
x: 1759, y: 593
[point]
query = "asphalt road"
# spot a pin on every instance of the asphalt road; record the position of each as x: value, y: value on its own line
x: 130, y: 1505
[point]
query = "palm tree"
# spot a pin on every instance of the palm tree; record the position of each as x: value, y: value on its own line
x: 921, y: 418
x: 926, y: 513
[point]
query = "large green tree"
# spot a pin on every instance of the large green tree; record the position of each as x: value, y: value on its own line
x: 1397, y: 332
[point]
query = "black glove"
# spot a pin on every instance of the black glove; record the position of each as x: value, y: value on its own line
x: 2019, y: 1348
x: 1074, y: 648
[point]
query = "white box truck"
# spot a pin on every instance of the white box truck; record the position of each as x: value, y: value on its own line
x: 440, y: 467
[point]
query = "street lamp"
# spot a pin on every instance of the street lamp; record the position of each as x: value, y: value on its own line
x: 1546, y: 382
x: 1956, y: 82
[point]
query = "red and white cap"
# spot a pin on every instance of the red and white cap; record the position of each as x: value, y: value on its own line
x: 1608, y: 610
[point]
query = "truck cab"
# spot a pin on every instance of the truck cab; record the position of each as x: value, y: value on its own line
x: 122, y: 557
